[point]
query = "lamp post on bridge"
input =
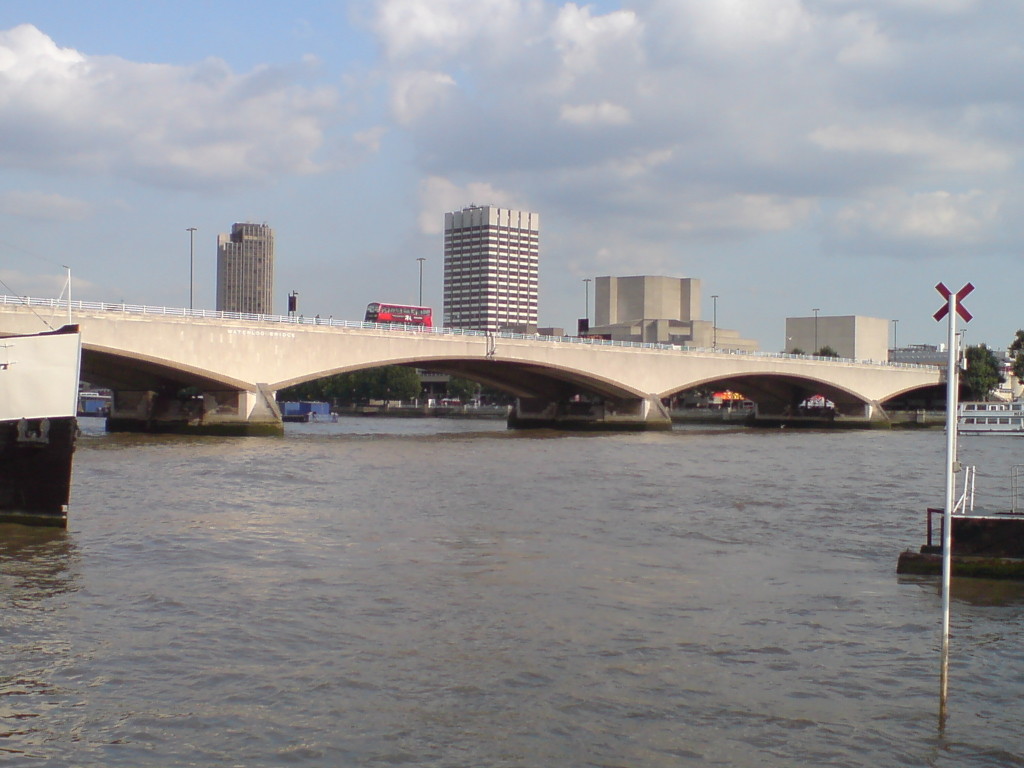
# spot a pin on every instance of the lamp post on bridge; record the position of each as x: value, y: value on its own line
x: 815, y: 311
x: 714, y: 322
x: 894, y: 345
x: 586, y: 308
x: 191, y: 263
x: 421, y: 259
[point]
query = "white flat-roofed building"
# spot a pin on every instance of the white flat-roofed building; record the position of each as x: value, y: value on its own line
x: 245, y: 270
x: 491, y: 258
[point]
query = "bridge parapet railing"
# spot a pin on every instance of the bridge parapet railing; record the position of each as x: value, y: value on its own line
x: 61, y: 305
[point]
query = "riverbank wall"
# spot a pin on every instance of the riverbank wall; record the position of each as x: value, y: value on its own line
x: 425, y: 412
x: 895, y: 420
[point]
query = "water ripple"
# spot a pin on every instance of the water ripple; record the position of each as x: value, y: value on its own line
x: 451, y: 594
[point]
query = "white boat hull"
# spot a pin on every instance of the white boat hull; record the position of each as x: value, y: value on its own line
x: 38, y: 428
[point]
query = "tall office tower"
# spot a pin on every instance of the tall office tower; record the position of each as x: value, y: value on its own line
x: 245, y: 270
x: 490, y: 269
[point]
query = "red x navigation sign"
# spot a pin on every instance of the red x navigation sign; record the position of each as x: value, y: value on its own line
x: 960, y: 296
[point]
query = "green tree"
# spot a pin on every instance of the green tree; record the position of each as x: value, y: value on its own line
x: 1017, y: 350
x: 398, y: 383
x: 308, y: 390
x: 462, y: 389
x: 982, y: 372
x: 827, y: 351
x: 390, y: 382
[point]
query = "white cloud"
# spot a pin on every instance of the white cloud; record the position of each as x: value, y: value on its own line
x: 735, y: 25
x: 415, y: 94
x: 862, y: 41
x: 637, y: 165
x: 933, y: 6
x: 731, y: 119
x: 946, y: 152
x: 43, y: 206
x: 52, y: 283
x: 587, y: 42
x: 924, y: 216
x: 439, y: 196
x: 411, y: 27
x: 686, y: 136
x: 370, y: 139
x: 604, y: 113
x: 26, y: 54
x: 159, y: 124
x: 753, y: 213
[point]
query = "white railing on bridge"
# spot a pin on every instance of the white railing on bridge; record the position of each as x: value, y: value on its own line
x: 61, y: 305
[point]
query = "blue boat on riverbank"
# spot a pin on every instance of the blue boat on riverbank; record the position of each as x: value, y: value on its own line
x: 307, y: 411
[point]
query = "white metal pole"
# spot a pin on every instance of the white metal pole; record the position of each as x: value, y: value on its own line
x: 952, y: 392
x: 191, y: 263
x: 69, y: 293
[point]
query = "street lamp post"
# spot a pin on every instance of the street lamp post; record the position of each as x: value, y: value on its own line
x: 586, y: 309
x: 894, y: 345
x: 69, y: 291
x: 714, y: 322
x: 421, y: 259
x: 191, y: 263
x: 815, y: 311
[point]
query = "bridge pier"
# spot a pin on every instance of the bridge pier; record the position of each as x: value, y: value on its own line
x: 229, y: 413
x: 635, y: 415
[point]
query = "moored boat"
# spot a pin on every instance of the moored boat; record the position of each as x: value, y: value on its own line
x: 306, y: 411
x: 995, y: 418
x: 38, y: 428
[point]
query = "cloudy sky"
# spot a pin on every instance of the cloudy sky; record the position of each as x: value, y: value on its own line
x: 791, y: 154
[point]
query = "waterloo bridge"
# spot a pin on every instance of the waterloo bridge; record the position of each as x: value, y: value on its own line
x: 149, y: 355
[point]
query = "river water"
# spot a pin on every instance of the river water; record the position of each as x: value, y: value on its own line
x: 448, y: 593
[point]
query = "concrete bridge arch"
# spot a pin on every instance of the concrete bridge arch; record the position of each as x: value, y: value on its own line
x: 238, y: 362
x: 518, y: 378
x: 776, y: 393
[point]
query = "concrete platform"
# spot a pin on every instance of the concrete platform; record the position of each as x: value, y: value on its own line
x: 964, y: 566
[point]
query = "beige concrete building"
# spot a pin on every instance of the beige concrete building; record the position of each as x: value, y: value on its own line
x: 661, y: 310
x: 625, y: 299
x: 851, y: 336
x: 491, y: 271
x: 245, y: 270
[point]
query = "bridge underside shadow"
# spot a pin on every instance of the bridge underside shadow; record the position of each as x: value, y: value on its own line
x: 783, y: 395
x: 556, y: 398
x: 153, y: 396
x: 150, y: 396
x: 782, y: 399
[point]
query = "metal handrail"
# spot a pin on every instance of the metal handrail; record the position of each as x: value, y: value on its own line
x: 102, y: 306
x: 965, y: 504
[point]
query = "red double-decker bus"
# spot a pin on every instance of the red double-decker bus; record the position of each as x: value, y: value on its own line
x: 399, y: 314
